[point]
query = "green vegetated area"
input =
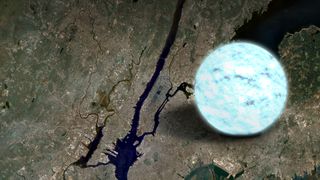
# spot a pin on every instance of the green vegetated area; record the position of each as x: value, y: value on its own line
x: 212, y: 171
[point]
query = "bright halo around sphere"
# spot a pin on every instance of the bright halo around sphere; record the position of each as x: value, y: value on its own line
x: 240, y: 89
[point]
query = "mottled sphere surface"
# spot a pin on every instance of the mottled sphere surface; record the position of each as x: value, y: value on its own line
x: 240, y: 89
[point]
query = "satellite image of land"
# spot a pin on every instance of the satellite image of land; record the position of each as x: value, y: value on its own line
x: 103, y: 89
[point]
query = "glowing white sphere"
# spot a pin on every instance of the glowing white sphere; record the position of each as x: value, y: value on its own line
x: 240, y: 89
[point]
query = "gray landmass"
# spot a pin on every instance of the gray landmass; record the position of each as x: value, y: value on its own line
x: 66, y: 64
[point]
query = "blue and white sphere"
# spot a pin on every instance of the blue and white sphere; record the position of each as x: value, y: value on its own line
x: 240, y: 89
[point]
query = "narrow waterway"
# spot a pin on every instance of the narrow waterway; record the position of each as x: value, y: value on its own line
x: 125, y: 153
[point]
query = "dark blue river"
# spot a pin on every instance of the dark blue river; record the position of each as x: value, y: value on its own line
x: 125, y: 153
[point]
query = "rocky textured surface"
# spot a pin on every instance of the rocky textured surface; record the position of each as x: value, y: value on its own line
x: 66, y: 66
